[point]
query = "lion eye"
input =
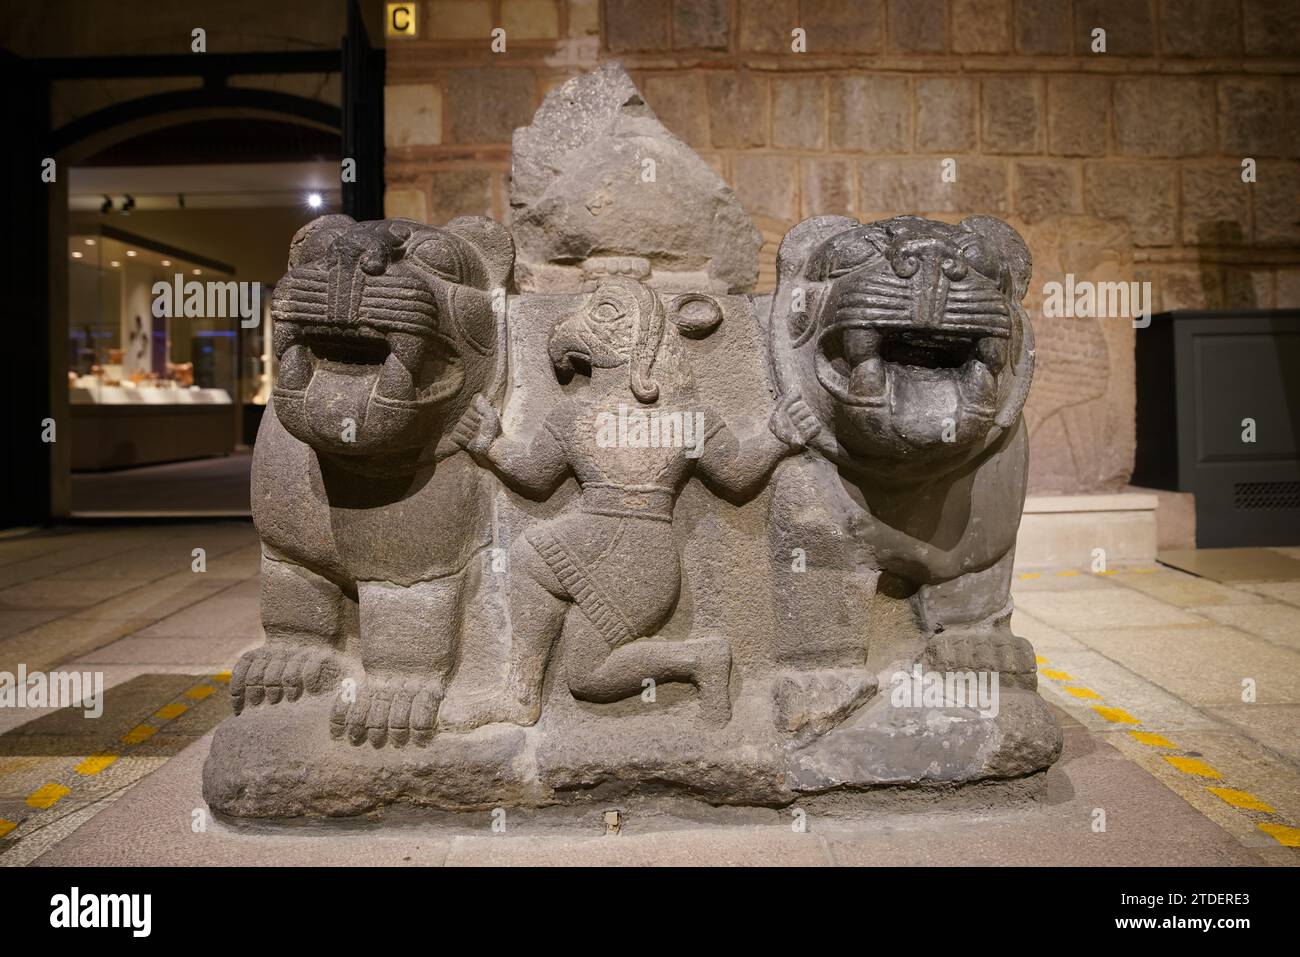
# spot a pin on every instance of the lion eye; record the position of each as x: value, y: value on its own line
x: 440, y: 256
x: 841, y: 256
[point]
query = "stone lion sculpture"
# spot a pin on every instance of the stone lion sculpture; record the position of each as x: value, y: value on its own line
x: 908, y: 340
x: 369, y: 520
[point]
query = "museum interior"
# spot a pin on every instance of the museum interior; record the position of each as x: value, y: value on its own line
x: 1145, y: 155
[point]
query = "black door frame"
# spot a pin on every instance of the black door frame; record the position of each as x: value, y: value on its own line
x: 36, y: 477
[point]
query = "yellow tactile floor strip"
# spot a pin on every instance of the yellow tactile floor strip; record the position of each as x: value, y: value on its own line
x: 50, y: 793
x: 1284, y: 834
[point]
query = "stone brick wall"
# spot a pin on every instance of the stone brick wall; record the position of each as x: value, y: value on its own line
x: 1124, y: 164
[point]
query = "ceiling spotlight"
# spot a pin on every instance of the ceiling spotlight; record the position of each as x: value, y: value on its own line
x: 314, y: 200
x: 166, y: 262
x: 132, y: 252
x: 197, y: 272
x: 106, y: 205
x: 90, y: 242
x: 76, y: 255
x: 129, y: 204
x: 115, y: 264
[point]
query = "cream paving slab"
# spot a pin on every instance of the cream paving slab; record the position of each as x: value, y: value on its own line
x: 42, y: 593
x: 50, y: 644
x: 155, y: 600
x: 203, y: 655
x: 1188, y: 591
x: 1274, y: 622
x: 232, y: 611
x: 1273, y: 726
x: 1202, y: 665
x: 13, y: 622
x: 1059, y: 579
x: 1288, y: 592
x: 1103, y: 608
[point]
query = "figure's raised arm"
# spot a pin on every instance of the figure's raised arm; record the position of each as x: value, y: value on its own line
x: 739, y: 465
x: 535, y: 467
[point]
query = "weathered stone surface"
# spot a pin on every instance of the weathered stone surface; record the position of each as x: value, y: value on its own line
x: 1129, y: 26
x: 918, y: 26
x: 827, y: 186
x: 637, y: 25
x: 1047, y: 189
x: 843, y: 26
x: 503, y: 537
x: 455, y: 192
x: 1042, y: 26
x: 737, y: 109
x: 797, y: 108
x: 765, y: 25
x: 1216, y: 206
x: 945, y: 114
x: 1271, y: 29
x: 701, y: 24
x: 981, y: 26
x: 890, y: 185
x: 412, y: 114
x: 1259, y: 117
x: 1164, y: 116
x: 1140, y: 195
x: 581, y: 187
x: 1200, y: 27
x: 1078, y: 115
x: 870, y: 113
x: 487, y: 103
x: 1013, y: 114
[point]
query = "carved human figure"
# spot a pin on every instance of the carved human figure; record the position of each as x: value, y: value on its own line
x: 631, y: 438
x: 371, y: 521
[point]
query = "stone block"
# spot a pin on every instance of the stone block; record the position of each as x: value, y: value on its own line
x: 1259, y: 116
x: 1164, y: 116
x: 946, y: 108
x: 455, y: 192
x: 870, y: 113
x: 918, y: 26
x: 1044, y: 190
x: 1140, y: 195
x: 826, y: 186
x: 981, y: 26
x: 1078, y: 115
x: 765, y: 25
x: 798, y: 112
x: 843, y: 26
x: 892, y: 185
x: 637, y: 26
x: 701, y: 24
x: 767, y: 185
x: 679, y: 100
x: 1271, y: 28
x: 460, y: 19
x: 1216, y: 206
x: 1129, y: 25
x: 1200, y: 28
x: 1013, y: 117
x: 406, y: 204
x: 487, y: 103
x: 1277, y: 204
x: 530, y: 19
x: 1042, y: 27
x: 737, y: 109
x: 412, y: 114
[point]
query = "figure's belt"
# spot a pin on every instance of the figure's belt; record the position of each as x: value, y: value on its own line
x: 628, y: 501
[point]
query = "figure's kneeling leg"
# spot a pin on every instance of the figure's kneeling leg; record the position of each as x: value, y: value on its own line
x: 598, y: 674
x: 303, y: 616
x: 409, y: 636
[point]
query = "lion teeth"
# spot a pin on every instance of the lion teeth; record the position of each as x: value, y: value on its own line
x: 861, y: 344
x: 978, y: 387
x: 408, y: 348
x: 868, y: 378
x: 992, y: 351
x: 396, y: 380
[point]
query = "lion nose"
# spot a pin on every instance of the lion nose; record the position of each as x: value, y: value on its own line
x: 363, y: 248
x: 931, y: 263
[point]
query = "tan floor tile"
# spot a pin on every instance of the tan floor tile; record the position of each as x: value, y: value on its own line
x: 1103, y: 608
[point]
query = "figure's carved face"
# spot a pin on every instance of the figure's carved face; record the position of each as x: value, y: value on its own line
x: 387, y: 325
x: 907, y: 335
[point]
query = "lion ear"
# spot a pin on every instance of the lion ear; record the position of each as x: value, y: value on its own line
x: 799, y: 242
x: 492, y: 240
x: 314, y: 238
x: 1010, y: 245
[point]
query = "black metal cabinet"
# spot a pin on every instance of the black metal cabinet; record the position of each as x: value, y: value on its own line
x: 1218, y: 415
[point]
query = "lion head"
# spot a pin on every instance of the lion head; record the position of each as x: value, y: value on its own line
x: 906, y: 336
x: 385, y: 330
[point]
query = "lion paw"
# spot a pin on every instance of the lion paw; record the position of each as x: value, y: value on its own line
x: 387, y: 710
x: 998, y: 651
x: 282, y: 672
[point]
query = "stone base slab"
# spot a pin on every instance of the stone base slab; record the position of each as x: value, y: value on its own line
x: 1063, y: 530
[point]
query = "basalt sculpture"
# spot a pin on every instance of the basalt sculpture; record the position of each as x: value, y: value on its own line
x: 633, y: 541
